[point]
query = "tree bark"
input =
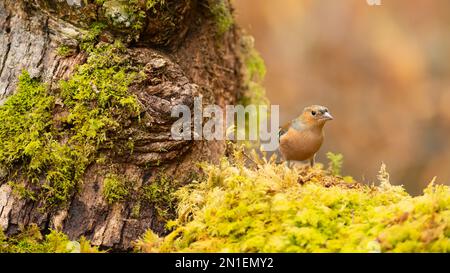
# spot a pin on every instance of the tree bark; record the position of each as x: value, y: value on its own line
x: 181, y: 60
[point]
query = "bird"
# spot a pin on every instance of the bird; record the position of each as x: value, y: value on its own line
x: 302, y: 137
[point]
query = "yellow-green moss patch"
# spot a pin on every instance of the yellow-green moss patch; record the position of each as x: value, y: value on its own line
x: 254, y: 73
x: 49, y: 137
x: 222, y: 15
x: 272, y: 208
x: 65, y: 51
x: 116, y: 188
x: 160, y: 194
x: 31, y: 240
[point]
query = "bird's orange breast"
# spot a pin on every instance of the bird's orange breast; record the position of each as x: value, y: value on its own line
x: 300, y: 145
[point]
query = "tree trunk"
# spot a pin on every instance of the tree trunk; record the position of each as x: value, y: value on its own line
x: 183, y: 57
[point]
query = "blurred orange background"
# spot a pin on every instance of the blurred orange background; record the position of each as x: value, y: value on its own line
x: 383, y: 71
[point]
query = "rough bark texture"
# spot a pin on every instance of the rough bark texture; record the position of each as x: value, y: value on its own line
x: 180, y: 62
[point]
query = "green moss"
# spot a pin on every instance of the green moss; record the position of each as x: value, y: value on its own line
x: 49, y: 137
x: 90, y: 38
x: 20, y: 189
x: 158, y: 20
x: 153, y: 4
x: 30, y: 240
x: 129, y: 16
x: 254, y: 73
x: 222, y: 15
x: 28, y: 148
x: 336, y: 162
x: 136, y: 210
x: 64, y: 51
x: 254, y: 64
x: 253, y: 92
x: 160, y: 194
x: 149, y: 243
x: 272, y: 208
x: 116, y: 188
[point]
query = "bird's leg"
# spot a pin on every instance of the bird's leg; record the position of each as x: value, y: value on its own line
x: 288, y: 163
x: 312, y: 160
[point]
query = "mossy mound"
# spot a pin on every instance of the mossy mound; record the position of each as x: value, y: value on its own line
x: 271, y: 208
x: 31, y: 240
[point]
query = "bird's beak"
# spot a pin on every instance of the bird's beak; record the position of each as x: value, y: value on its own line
x: 327, y: 116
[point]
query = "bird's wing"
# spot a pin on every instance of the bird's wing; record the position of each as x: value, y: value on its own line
x: 283, y: 129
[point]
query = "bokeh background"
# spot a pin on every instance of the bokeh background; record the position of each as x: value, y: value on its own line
x: 384, y: 72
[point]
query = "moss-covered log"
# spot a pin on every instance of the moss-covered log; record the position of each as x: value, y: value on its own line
x: 87, y: 89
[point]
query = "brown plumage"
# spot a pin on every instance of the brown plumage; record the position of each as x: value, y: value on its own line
x: 301, y: 138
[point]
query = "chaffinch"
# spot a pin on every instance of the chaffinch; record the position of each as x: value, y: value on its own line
x: 301, y: 138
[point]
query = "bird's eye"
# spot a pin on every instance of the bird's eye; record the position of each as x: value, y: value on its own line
x: 313, y: 113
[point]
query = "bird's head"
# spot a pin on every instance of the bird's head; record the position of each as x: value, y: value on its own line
x: 315, y: 115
